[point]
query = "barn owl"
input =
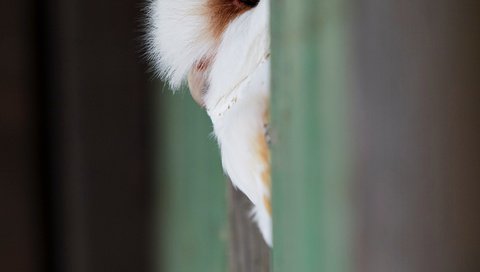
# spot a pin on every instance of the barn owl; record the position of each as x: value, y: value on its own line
x: 222, y: 49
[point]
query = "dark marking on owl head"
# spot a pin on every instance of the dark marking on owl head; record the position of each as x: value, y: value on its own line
x: 222, y: 12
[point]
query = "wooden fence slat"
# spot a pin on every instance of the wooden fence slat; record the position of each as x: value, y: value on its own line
x: 248, y: 251
x: 309, y: 137
x: 417, y: 116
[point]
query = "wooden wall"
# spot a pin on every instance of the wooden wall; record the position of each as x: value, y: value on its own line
x: 376, y: 118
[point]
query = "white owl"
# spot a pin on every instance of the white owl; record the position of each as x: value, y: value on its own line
x: 222, y: 47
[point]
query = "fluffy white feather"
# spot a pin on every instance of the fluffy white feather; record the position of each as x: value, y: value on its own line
x: 237, y: 90
x: 178, y: 36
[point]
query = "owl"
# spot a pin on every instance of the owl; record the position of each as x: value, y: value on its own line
x: 221, y: 48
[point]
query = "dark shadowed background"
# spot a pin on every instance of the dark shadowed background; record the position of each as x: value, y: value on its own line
x: 100, y: 169
x: 74, y: 193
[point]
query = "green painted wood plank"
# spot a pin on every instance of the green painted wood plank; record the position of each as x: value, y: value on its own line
x: 309, y: 130
x: 191, y: 213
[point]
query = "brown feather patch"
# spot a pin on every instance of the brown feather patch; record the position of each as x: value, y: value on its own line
x: 268, y: 204
x: 222, y: 12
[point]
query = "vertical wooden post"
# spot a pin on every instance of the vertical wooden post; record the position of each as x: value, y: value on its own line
x: 410, y: 98
x: 310, y: 137
x: 248, y: 251
x: 417, y: 119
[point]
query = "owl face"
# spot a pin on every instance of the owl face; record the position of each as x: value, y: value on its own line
x: 212, y: 43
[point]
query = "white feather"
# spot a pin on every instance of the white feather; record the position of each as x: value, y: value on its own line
x: 238, y: 90
x: 177, y: 37
x: 237, y: 101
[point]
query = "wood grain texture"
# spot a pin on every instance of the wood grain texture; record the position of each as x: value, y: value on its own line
x: 248, y: 251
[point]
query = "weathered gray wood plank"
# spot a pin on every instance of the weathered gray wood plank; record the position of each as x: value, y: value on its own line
x: 248, y: 251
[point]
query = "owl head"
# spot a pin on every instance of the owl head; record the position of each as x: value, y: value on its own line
x: 211, y: 44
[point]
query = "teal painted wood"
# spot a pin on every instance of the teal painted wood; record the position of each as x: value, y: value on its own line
x: 191, y: 210
x: 309, y: 132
